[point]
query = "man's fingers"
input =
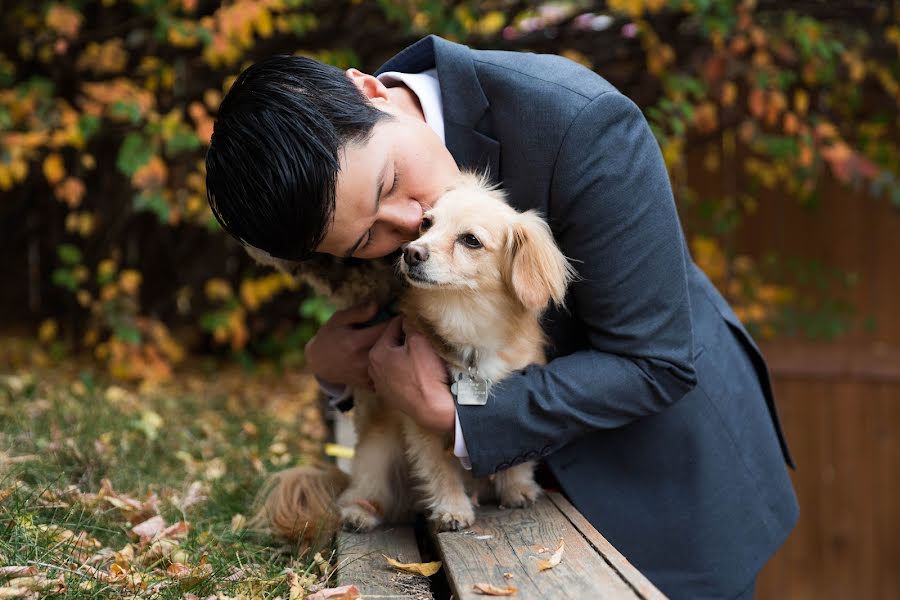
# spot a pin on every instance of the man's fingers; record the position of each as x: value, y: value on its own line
x: 355, y: 314
x: 390, y: 337
x: 367, y: 336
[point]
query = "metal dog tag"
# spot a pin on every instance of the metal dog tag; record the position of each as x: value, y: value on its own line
x: 470, y: 391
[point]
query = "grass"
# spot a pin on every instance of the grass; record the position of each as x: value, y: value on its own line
x: 83, y: 461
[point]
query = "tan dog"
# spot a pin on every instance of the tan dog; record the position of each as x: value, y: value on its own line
x: 480, y: 275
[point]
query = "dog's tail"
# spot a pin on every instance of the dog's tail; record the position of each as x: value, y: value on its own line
x: 299, y: 503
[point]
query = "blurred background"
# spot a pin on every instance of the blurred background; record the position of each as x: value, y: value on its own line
x: 778, y: 121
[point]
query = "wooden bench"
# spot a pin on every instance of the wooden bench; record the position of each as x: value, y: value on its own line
x: 501, y: 542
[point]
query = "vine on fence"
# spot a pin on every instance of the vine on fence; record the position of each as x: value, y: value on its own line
x: 107, y: 108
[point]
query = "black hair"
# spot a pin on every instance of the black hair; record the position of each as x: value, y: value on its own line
x: 273, y: 160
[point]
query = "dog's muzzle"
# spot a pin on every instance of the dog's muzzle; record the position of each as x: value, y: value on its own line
x: 415, y: 254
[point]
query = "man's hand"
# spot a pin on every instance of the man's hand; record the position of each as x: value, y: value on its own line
x: 410, y: 376
x: 339, y: 352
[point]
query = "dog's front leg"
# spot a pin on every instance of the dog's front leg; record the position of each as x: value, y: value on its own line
x: 439, y: 474
x: 516, y: 486
x: 377, y: 480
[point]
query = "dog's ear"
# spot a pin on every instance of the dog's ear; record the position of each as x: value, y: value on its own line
x: 538, y: 271
x: 287, y: 267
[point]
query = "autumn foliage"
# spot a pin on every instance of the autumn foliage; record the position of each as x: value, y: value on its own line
x: 106, y: 109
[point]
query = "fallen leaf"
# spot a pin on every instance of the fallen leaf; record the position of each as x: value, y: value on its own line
x: 150, y: 528
x: 14, y: 592
x: 345, y: 592
x: 38, y: 583
x: 296, y: 588
x: 17, y: 571
x: 196, y: 493
x: 176, y: 531
x: 543, y: 565
x: 238, y: 522
x: 508, y: 575
x: 424, y: 569
x: 492, y: 590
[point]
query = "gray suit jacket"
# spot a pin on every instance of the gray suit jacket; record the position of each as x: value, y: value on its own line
x: 655, y: 412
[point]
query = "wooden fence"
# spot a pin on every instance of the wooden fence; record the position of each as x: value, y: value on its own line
x: 840, y: 408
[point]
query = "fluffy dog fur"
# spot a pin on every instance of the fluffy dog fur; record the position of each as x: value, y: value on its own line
x: 478, y: 279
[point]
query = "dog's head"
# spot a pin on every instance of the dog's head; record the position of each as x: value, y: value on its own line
x: 472, y: 240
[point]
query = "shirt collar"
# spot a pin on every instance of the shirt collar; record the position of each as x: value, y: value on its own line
x: 427, y: 89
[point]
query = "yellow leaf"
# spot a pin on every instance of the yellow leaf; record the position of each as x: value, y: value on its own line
x: 70, y: 191
x: 338, y: 451
x: 218, y: 289
x: 424, y: 569
x: 130, y: 281
x: 729, y: 93
x: 488, y: 589
x: 54, y: 169
x: 554, y: 560
x: 64, y: 20
x: 47, y: 331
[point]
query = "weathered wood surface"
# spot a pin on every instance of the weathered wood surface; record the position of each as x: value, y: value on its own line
x: 509, y: 541
x: 625, y: 569
x: 360, y: 562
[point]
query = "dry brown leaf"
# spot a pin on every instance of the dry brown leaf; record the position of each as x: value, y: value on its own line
x: 508, y: 575
x: 17, y: 571
x: 345, y: 592
x: 295, y: 587
x: 189, y: 575
x: 150, y: 528
x: 177, y: 531
x: 543, y: 565
x: 39, y: 583
x: 196, y: 493
x: 424, y: 569
x: 14, y: 592
x: 488, y: 589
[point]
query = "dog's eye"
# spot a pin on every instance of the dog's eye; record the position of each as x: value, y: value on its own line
x: 470, y: 240
x: 426, y: 224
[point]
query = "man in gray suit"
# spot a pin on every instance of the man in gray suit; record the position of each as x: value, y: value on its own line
x: 654, y: 413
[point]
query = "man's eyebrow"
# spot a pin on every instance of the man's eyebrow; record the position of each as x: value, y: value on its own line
x: 379, y: 183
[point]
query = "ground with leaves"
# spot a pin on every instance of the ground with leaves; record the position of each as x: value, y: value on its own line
x: 108, y: 491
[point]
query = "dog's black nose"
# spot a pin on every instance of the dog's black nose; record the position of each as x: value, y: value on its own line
x: 414, y: 254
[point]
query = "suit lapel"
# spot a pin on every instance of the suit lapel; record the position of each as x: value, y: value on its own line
x: 465, y: 107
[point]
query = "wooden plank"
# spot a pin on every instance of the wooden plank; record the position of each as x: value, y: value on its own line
x: 616, y: 560
x: 360, y: 562
x: 508, y: 541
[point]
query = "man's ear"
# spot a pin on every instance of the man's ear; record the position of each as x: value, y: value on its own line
x: 370, y: 86
x: 538, y: 271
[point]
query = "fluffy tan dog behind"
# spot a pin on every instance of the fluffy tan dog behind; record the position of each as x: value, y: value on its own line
x: 479, y: 277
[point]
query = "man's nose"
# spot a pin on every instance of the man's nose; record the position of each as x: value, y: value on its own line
x: 404, y: 217
x: 414, y: 254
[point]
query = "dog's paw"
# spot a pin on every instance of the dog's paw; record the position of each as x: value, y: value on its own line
x: 519, y: 494
x: 358, y: 518
x: 454, y: 521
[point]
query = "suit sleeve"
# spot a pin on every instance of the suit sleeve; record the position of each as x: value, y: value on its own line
x: 613, y: 214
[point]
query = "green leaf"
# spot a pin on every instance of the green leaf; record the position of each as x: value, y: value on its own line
x: 69, y: 254
x: 129, y: 110
x: 64, y: 279
x: 134, y: 153
x: 213, y: 320
x: 154, y: 202
x: 128, y: 334
x: 88, y: 125
x: 182, y: 141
